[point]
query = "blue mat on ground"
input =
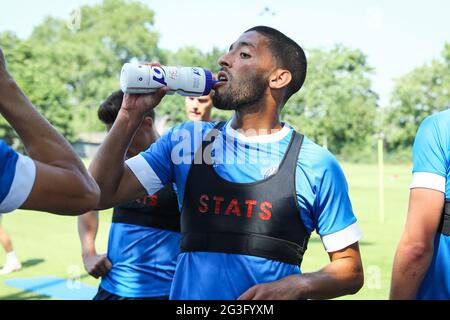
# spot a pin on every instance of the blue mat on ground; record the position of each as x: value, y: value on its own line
x: 54, y: 287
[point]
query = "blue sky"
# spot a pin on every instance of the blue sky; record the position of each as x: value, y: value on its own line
x: 397, y: 35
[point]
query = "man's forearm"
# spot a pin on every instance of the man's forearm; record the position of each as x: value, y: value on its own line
x: 416, y: 247
x: 340, y: 277
x: 42, y: 142
x: 107, y: 167
x: 410, y: 265
x: 87, y: 231
x: 343, y: 275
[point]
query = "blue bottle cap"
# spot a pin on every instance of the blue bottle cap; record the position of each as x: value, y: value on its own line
x: 209, y: 82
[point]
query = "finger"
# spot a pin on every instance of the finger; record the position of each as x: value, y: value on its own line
x: 93, y: 272
x: 108, y: 264
x: 153, y: 99
x: 125, y: 100
x: 249, y: 294
x: 261, y: 295
x: 160, y: 93
x: 102, y: 269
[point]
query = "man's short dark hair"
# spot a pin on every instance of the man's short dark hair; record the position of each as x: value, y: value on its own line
x: 288, y: 55
x: 109, y: 109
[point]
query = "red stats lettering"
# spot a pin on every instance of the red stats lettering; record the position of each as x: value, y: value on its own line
x: 247, y: 208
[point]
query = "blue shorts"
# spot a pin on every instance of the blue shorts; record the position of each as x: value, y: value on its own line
x: 102, y: 294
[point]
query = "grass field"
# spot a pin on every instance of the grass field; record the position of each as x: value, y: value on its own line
x: 48, y: 245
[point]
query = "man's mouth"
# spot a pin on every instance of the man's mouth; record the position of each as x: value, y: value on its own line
x: 222, y: 77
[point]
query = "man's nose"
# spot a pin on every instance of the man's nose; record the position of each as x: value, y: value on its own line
x: 225, y: 61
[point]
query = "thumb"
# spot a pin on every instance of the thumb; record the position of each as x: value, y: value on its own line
x: 107, y: 263
x: 153, y: 99
x: 160, y: 93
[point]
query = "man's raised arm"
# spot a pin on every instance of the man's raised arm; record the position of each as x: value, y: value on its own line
x: 117, y: 182
x: 61, y: 183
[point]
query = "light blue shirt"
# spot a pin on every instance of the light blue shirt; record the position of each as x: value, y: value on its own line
x: 143, y: 261
x: 17, y: 175
x: 321, y: 194
x: 431, y: 169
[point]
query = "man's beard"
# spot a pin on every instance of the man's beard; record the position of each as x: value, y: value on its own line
x: 240, y: 95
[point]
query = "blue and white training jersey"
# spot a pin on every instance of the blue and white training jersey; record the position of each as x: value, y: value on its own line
x: 143, y: 260
x: 17, y: 174
x: 431, y: 170
x: 322, y: 196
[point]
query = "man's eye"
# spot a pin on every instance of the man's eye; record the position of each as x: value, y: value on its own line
x: 244, y: 55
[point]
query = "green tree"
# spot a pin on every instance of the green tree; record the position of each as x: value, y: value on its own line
x: 88, y: 60
x: 419, y: 93
x: 337, y: 106
x: 39, y: 82
x: 9, y: 43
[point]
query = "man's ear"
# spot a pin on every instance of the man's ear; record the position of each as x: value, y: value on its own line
x: 148, y: 122
x: 280, y: 78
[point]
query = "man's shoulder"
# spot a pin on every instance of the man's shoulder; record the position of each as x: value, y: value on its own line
x: 440, y: 121
x: 434, y: 131
x: 315, y: 155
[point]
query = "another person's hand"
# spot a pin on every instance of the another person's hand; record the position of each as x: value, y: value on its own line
x: 97, y: 265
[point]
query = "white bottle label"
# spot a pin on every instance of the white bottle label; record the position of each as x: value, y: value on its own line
x: 186, y: 81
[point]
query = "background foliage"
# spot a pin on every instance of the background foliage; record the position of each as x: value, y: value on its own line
x: 68, y: 72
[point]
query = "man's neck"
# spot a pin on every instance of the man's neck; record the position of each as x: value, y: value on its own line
x: 263, y: 121
x: 207, y: 117
x: 155, y: 135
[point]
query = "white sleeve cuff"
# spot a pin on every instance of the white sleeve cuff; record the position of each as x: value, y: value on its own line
x: 428, y: 180
x: 145, y: 174
x: 22, y: 184
x: 343, y: 238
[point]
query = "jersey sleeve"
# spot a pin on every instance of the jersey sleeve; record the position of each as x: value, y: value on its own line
x: 430, y: 157
x: 333, y: 214
x: 17, y: 176
x: 153, y: 167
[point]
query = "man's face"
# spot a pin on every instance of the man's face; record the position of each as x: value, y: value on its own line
x: 245, y: 71
x: 198, y: 108
x: 141, y: 141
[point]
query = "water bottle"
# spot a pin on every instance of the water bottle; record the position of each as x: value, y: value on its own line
x: 186, y: 81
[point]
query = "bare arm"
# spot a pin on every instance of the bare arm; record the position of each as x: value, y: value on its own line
x: 96, y: 265
x: 415, y: 250
x: 62, y: 183
x: 343, y: 275
x: 117, y: 182
x: 87, y: 231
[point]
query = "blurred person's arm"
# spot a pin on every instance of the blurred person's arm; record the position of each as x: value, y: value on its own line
x: 415, y: 250
x: 96, y: 265
x: 416, y: 247
x: 62, y: 184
